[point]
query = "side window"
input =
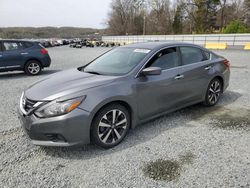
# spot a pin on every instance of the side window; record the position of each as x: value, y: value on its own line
x: 165, y: 59
x: 12, y: 46
x: 207, y: 55
x: 27, y: 44
x: 214, y: 56
x: 191, y: 55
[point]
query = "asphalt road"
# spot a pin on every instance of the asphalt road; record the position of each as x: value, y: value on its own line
x: 193, y: 147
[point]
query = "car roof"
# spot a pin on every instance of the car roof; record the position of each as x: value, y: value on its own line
x: 158, y: 45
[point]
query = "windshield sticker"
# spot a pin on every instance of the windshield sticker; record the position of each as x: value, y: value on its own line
x: 145, y: 51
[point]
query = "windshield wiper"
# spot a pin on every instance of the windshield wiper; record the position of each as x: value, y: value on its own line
x: 92, y: 72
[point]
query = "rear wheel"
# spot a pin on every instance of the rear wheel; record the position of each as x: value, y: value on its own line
x: 33, y: 67
x: 214, y: 92
x: 110, y: 126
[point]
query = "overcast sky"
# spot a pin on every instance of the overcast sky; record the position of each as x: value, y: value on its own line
x: 39, y: 13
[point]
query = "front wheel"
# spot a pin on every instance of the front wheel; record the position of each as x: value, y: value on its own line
x: 33, y: 68
x: 110, y: 126
x: 214, y: 92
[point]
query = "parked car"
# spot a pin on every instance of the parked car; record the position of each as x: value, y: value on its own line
x: 83, y: 42
x: 27, y: 56
x: 65, y: 42
x: 72, y: 45
x: 124, y: 87
x: 90, y: 44
x: 78, y: 45
x: 103, y: 44
x: 45, y: 43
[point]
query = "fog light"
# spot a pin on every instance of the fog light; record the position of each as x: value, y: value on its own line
x: 56, y: 138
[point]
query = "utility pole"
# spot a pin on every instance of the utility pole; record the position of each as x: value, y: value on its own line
x: 142, y: 6
x: 144, y: 23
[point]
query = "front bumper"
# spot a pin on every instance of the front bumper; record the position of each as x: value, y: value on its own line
x: 67, y: 130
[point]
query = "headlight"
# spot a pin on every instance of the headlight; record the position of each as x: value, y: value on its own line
x: 56, y: 108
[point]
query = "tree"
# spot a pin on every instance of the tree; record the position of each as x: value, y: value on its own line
x: 247, y: 12
x: 160, y: 17
x: 202, y: 13
x: 222, y: 16
x: 236, y: 26
x: 178, y: 19
x: 119, y: 16
x: 175, y: 16
x: 126, y: 17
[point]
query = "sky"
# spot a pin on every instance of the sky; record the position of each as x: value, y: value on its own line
x: 57, y: 13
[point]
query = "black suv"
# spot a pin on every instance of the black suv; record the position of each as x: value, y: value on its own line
x: 27, y: 56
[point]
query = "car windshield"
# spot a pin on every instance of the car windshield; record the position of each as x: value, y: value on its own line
x: 118, y: 61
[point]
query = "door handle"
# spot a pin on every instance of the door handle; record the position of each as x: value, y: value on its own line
x: 208, y: 67
x: 178, y: 77
x: 24, y: 53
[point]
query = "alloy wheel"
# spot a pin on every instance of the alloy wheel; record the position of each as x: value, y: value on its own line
x: 214, y: 92
x: 112, y: 127
x: 34, y: 68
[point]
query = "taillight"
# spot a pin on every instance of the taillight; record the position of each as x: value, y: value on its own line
x: 44, y: 51
x: 227, y: 63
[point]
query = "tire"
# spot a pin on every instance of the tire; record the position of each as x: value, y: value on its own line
x: 106, y: 131
x: 213, y: 93
x: 33, y: 68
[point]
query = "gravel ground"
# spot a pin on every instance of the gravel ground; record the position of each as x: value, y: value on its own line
x: 193, y: 147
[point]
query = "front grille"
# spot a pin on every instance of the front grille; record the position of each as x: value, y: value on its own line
x: 29, y: 104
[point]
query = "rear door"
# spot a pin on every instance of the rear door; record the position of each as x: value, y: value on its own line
x: 195, y: 74
x: 12, y: 56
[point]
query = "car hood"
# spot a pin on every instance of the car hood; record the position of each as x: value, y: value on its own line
x: 65, y: 83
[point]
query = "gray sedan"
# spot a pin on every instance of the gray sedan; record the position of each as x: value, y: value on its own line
x: 124, y: 87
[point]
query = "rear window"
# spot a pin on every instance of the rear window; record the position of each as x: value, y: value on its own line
x: 41, y: 45
x: 28, y: 44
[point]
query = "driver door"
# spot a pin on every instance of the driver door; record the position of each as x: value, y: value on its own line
x: 158, y: 93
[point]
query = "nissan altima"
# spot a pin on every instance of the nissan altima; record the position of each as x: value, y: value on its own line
x: 127, y: 86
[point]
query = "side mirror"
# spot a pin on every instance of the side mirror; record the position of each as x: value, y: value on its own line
x: 150, y: 71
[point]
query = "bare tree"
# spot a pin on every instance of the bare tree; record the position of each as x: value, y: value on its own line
x: 119, y: 16
x: 160, y: 17
x: 222, y: 7
x: 246, y: 8
x: 175, y: 16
